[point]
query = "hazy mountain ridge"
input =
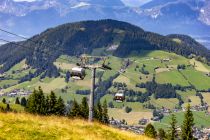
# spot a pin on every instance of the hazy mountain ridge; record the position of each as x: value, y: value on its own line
x: 162, y: 16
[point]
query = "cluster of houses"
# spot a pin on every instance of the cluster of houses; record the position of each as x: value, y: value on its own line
x: 167, y: 111
x: 198, y: 107
x: 121, y: 125
x: 16, y: 92
x: 201, y: 134
x: 205, y: 134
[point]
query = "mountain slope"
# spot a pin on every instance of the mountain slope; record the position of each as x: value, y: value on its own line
x: 18, y: 126
x: 76, y: 38
x: 163, y: 16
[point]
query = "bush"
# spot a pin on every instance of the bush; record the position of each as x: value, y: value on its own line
x: 128, y: 109
x: 110, y: 104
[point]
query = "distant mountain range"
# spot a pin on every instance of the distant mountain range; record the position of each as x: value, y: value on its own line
x: 191, y: 17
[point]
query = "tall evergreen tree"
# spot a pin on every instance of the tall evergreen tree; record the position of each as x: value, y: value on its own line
x: 36, y: 102
x: 75, y: 110
x: 84, y: 108
x: 60, y: 107
x: 187, y: 126
x: 172, y: 135
x: 41, y: 109
x: 23, y: 101
x: 8, y: 108
x: 31, y: 106
x: 150, y: 131
x: 105, y: 117
x: 47, y: 105
x: 17, y: 101
x: 99, y: 112
x: 161, y: 134
x: 52, y: 103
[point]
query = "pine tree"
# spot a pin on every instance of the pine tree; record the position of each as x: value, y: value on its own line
x: 172, y: 135
x: 23, y: 101
x: 60, y: 107
x: 36, y: 102
x: 52, y: 103
x: 47, y: 105
x: 99, y: 114
x: 75, y: 110
x: 161, y: 134
x: 8, y: 108
x: 187, y: 126
x: 150, y: 131
x: 31, y: 104
x: 84, y: 108
x: 17, y: 101
x: 105, y: 117
x: 4, y: 100
x: 41, y: 109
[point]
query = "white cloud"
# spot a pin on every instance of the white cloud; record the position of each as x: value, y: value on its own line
x: 135, y: 3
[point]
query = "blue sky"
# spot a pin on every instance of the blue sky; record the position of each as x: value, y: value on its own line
x: 127, y: 2
x: 25, y: 0
x: 135, y: 2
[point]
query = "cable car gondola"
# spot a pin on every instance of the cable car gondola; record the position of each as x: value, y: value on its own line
x: 119, y: 96
x: 78, y: 73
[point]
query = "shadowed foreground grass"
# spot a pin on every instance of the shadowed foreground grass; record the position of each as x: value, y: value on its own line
x: 27, y: 127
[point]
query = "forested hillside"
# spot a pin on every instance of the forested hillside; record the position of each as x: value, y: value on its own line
x: 75, y: 39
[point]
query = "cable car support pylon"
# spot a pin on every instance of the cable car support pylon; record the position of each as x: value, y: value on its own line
x: 85, y: 63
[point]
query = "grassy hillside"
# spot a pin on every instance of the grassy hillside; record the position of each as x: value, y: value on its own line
x: 29, y: 127
x: 151, y: 61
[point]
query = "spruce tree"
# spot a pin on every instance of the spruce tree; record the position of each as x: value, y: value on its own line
x: 41, y: 108
x: 172, y: 135
x: 52, y: 103
x: 187, y: 126
x: 75, y: 110
x: 161, y: 134
x: 31, y: 106
x: 36, y: 102
x: 99, y: 111
x: 95, y: 115
x: 84, y: 108
x: 4, y: 100
x: 60, y: 107
x: 23, y: 102
x: 17, y: 101
x: 105, y: 117
x: 150, y: 131
x: 8, y: 108
x: 47, y: 105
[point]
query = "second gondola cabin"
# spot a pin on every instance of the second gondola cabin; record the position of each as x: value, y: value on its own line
x: 78, y: 73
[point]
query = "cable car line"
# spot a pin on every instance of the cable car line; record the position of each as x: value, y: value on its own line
x: 26, y: 47
x: 29, y: 39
